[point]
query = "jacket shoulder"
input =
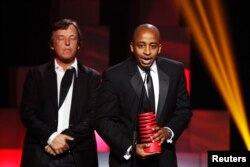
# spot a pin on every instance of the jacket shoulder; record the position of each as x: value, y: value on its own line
x: 166, y: 63
x: 88, y: 70
x: 119, y: 68
x: 170, y: 61
x: 41, y: 68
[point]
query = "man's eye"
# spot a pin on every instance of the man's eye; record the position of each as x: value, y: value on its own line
x: 140, y: 46
x: 73, y: 38
x: 60, y: 38
x: 153, y: 46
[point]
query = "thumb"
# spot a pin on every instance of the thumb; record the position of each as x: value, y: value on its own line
x: 147, y: 145
x: 69, y: 137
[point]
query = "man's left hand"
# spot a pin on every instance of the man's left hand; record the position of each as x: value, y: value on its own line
x: 161, y: 135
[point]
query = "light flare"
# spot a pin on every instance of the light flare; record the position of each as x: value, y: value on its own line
x: 209, y: 29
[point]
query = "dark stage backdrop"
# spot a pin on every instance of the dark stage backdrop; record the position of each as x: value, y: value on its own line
x: 108, y: 25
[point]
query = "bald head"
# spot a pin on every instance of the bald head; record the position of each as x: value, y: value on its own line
x: 146, y: 27
x: 146, y: 45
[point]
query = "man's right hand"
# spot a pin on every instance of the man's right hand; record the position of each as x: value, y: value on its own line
x: 140, y: 151
x: 59, y: 144
x: 49, y: 150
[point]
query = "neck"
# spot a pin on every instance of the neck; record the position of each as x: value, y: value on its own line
x: 64, y: 65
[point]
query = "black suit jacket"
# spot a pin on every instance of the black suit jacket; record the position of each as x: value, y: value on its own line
x: 118, y: 104
x: 39, y: 113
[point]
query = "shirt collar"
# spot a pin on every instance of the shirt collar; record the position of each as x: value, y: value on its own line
x: 153, y: 68
x: 73, y: 65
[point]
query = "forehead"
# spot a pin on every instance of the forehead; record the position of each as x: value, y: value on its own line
x: 146, y: 35
x: 69, y: 30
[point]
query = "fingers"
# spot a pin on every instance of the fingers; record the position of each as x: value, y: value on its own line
x: 146, y: 145
x: 160, y: 135
x: 140, y: 150
x: 56, y: 149
x: 161, y: 141
x: 69, y: 138
x: 49, y: 150
x: 60, y: 148
x: 156, y: 128
x: 59, y: 144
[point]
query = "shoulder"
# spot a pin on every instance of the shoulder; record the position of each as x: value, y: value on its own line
x: 169, y: 64
x: 40, y: 72
x: 42, y: 68
x: 88, y: 70
x: 120, y: 68
x: 164, y: 60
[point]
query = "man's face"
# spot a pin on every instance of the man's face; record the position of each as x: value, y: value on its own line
x: 65, y: 44
x: 145, y: 46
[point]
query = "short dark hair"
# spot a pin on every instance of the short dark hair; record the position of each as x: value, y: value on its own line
x: 64, y: 24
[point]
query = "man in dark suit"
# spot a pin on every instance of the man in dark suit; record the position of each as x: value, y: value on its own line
x: 120, y: 97
x: 59, y: 128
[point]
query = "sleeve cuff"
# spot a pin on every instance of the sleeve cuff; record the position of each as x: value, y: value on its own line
x: 52, y: 137
x: 170, y: 140
x: 128, y: 153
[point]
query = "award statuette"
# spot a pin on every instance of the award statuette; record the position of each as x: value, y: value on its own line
x: 147, y: 121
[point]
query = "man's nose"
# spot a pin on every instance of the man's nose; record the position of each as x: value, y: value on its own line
x: 147, y: 50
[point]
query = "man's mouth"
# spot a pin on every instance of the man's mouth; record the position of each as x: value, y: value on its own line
x: 146, y: 60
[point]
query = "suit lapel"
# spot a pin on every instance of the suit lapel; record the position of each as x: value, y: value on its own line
x: 77, y: 89
x: 136, y: 83
x: 136, y: 79
x: 75, y: 94
x: 163, y: 86
x: 52, y: 84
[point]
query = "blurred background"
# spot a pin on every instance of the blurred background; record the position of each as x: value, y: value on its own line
x: 107, y: 27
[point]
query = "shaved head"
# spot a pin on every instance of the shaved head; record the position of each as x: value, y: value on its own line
x: 145, y: 45
x: 146, y: 27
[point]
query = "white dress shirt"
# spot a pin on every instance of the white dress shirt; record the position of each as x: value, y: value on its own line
x: 155, y: 79
x: 64, y: 110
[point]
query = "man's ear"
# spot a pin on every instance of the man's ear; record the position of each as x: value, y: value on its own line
x: 159, y: 50
x: 131, y: 47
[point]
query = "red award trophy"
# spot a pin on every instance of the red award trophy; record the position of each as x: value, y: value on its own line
x: 147, y: 121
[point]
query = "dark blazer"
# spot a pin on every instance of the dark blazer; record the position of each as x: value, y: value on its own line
x: 39, y: 113
x: 117, y: 108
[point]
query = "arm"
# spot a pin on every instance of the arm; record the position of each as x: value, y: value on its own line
x: 107, y: 118
x: 177, y: 114
x: 32, y: 113
x: 178, y: 109
x: 82, y: 129
x: 181, y: 111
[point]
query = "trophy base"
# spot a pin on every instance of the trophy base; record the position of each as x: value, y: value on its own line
x: 154, y: 148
